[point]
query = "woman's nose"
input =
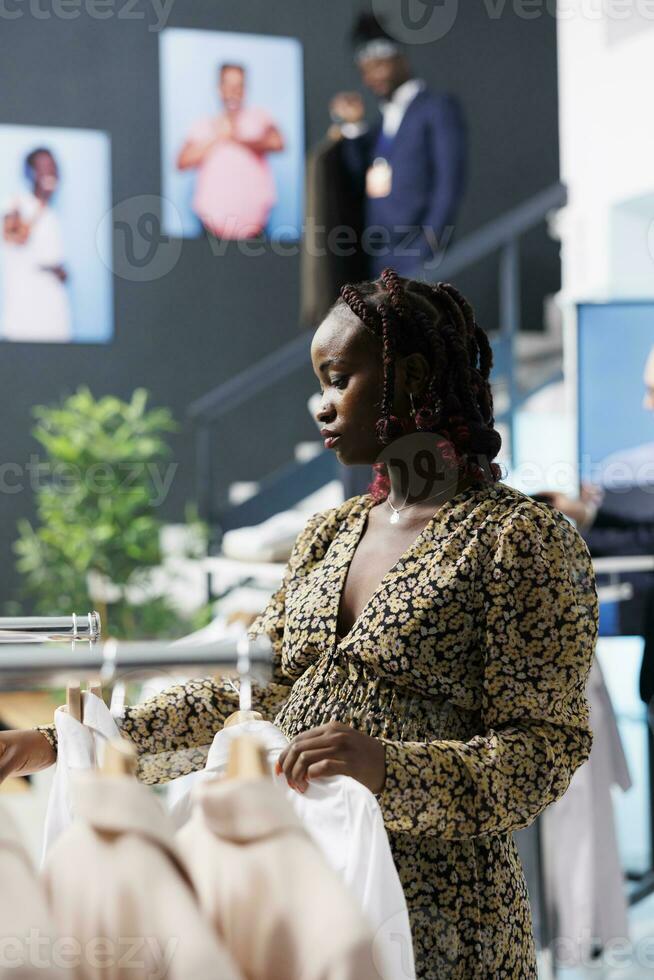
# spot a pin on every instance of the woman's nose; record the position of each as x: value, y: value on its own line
x: 324, y: 411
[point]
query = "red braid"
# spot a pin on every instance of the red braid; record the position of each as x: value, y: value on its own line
x: 436, y: 320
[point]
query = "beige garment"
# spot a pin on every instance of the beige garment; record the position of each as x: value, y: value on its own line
x: 282, y: 911
x: 584, y: 878
x: 117, y: 884
x: 28, y: 939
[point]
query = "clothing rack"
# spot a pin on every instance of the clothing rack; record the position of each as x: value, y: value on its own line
x: 48, y: 629
x: 29, y: 666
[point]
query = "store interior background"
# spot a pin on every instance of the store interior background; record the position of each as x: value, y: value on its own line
x: 533, y: 120
x: 183, y: 334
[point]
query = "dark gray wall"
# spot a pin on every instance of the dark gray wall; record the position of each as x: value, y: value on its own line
x: 182, y: 334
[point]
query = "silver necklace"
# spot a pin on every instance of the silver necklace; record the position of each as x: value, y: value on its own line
x: 396, y: 511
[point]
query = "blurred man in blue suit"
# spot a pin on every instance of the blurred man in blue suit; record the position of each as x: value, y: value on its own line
x: 410, y: 164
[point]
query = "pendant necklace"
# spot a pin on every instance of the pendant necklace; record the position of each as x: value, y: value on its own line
x: 396, y: 511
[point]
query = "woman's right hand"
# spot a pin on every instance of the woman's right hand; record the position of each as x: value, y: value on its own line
x: 23, y: 752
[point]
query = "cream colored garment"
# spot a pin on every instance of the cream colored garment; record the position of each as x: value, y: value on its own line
x: 584, y: 878
x: 283, y: 912
x: 117, y: 885
x: 28, y: 940
x: 79, y: 746
x: 344, y: 819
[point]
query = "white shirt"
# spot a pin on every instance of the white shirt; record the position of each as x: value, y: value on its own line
x: 79, y: 746
x: 392, y: 110
x: 345, y: 821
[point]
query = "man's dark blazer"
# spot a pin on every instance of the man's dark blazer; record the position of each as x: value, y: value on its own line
x: 428, y: 157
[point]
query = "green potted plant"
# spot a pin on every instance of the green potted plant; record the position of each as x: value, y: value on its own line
x: 105, y: 473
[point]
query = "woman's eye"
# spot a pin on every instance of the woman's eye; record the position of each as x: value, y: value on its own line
x: 340, y: 382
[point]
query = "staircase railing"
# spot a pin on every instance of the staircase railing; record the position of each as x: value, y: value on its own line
x: 502, y: 235
x: 294, y: 481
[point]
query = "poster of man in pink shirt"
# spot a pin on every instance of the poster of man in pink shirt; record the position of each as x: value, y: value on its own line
x: 232, y: 134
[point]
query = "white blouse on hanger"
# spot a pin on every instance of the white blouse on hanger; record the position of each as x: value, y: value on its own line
x: 80, y: 746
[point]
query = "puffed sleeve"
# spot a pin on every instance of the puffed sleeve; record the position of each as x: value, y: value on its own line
x: 538, y: 634
x: 173, y: 730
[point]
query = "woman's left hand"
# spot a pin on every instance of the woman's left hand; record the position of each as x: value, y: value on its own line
x: 334, y: 749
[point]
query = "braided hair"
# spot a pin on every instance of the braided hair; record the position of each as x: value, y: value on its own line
x: 408, y: 317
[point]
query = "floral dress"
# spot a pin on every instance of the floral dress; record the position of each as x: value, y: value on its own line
x: 469, y: 662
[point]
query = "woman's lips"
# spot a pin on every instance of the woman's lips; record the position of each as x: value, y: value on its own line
x: 331, y: 441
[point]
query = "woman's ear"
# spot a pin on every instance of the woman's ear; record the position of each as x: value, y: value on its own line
x: 415, y: 373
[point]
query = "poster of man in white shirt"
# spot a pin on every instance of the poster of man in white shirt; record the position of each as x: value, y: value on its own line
x: 54, y: 190
x: 36, y: 304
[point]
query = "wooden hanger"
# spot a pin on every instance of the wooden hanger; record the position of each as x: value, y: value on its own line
x: 74, y: 700
x: 247, y: 759
x: 95, y: 687
x: 74, y: 703
x: 238, y: 717
x: 120, y: 758
x: 247, y: 756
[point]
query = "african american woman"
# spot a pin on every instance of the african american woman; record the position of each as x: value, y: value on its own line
x: 432, y: 645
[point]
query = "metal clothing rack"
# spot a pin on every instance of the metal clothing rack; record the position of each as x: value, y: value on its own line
x: 48, y: 629
x: 31, y: 666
